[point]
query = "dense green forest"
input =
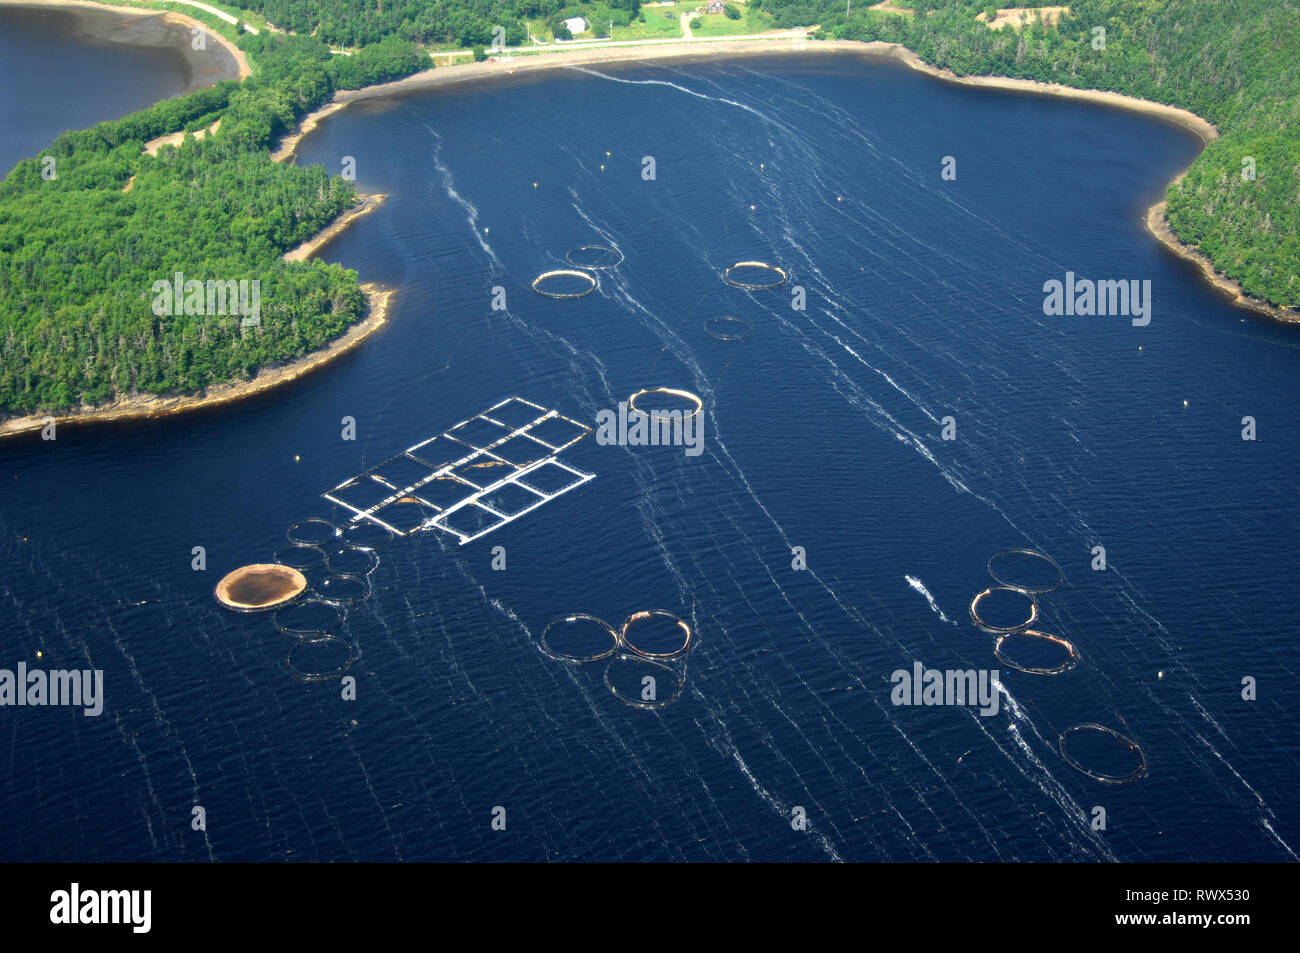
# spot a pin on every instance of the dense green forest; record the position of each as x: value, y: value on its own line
x: 462, y: 23
x: 79, y: 252
x: 79, y: 256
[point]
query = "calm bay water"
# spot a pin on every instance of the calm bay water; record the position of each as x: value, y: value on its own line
x: 71, y: 68
x: 822, y: 431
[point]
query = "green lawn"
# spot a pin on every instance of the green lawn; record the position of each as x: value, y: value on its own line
x: 657, y: 25
x: 664, y: 23
x: 716, y: 24
x: 538, y: 28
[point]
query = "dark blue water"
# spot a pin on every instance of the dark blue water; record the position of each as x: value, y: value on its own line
x: 823, y: 431
x: 71, y: 68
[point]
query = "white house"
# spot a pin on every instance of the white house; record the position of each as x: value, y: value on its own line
x: 576, y: 25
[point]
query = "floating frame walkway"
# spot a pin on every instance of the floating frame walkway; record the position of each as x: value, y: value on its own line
x: 451, y: 482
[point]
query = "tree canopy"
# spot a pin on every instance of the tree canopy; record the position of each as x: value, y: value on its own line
x: 80, y: 252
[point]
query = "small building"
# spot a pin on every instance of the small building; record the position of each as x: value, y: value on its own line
x: 715, y: 6
x: 575, y: 25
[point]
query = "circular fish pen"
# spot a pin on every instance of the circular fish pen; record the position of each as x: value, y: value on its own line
x: 647, y: 666
x: 312, y: 532
x: 730, y: 276
x: 349, y: 560
x: 1033, y: 554
x: 343, y: 590
x: 633, y: 672
x: 1071, y: 656
x: 310, y: 618
x: 561, y: 273
x: 260, y: 586
x: 594, y: 257
x: 671, y: 392
x: 302, y: 558
x: 1003, y: 629
x: 644, y: 616
x: 573, y: 620
x: 319, y: 659
x: 727, y: 328
x: 1139, y: 770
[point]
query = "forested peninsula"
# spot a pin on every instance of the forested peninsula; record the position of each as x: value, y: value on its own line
x: 81, y: 250
x: 88, y: 227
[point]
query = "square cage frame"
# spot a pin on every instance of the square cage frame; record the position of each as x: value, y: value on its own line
x: 473, y: 455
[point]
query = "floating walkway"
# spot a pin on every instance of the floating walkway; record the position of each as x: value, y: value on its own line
x: 472, y: 479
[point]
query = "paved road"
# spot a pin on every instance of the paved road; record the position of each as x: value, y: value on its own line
x: 798, y: 33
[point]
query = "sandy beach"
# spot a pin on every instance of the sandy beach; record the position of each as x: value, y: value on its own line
x: 176, y: 138
x: 704, y: 48
x: 239, y: 66
x: 289, y: 144
x: 366, y: 203
x: 1158, y: 225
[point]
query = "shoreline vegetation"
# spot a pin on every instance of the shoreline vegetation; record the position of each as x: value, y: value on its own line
x: 777, y: 43
x: 142, y: 405
x: 289, y: 144
x: 1155, y: 220
x: 149, y: 406
x: 366, y: 203
x: 317, y: 316
x: 1158, y: 225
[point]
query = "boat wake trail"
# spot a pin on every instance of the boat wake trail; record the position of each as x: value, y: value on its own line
x: 919, y: 586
